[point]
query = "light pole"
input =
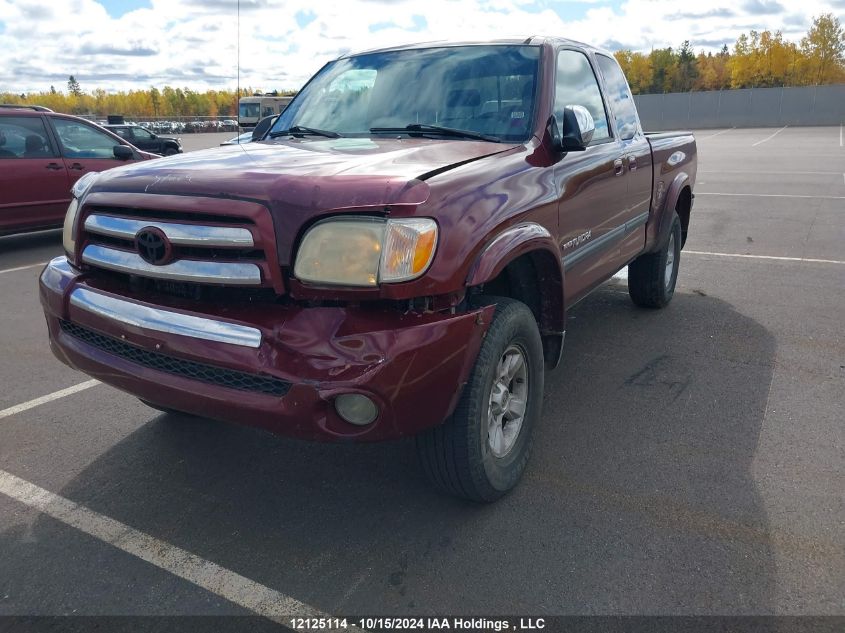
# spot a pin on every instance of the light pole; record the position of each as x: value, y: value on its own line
x: 238, y: 93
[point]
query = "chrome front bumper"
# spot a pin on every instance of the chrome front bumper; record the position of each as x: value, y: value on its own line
x: 275, y: 366
x: 149, y: 317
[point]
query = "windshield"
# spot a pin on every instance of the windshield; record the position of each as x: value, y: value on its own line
x: 483, y: 89
x: 249, y: 110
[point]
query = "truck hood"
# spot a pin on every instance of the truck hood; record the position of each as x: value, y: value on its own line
x: 311, y: 174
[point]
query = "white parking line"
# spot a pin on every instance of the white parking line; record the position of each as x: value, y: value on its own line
x: 11, y: 270
x: 18, y: 408
x: 768, y: 138
x: 767, y: 195
x: 203, y: 573
x: 769, y: 257
x: 769, y: 172
x: 704, y: 138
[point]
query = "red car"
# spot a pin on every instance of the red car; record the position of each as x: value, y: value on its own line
x: 42, y: 155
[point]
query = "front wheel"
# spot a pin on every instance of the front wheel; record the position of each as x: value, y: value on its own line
x: 170, y: 151
x: 481, y: 451
x: 652, y: 277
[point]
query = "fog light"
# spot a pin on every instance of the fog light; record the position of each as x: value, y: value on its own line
x: 356, y: 409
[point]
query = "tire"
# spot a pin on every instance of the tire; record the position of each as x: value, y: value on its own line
x: 170, y: 151
x: 652, y: 277
x: 459, y: 457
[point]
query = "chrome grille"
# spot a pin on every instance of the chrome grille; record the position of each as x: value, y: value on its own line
x: 220, y: 254
x: 182, y: 234
x: 231, y: 273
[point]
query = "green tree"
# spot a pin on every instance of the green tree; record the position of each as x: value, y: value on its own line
x: 73, y: 87
x: 663, y: 64
x: 686, y: 68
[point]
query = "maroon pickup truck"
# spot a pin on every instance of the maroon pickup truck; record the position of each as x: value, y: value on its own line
x: 395, y: 256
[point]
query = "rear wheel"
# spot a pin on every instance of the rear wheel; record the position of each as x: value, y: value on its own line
x: 652, y: 277
x: 481, y: 451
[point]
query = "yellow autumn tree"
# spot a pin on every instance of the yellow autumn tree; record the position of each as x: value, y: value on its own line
x: 823, y: 49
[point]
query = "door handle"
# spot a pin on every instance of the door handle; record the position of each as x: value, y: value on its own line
x: 632, y: 162
x: 54, y: 166
x: 618, y: 167
x: 77, y: 166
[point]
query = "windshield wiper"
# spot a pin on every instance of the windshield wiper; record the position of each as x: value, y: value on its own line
x: 300, y: 130
x: 423, y: 128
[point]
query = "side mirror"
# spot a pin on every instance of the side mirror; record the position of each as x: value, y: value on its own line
x: 122, y: 152
x: 262, y: 126
x: 577, y: 128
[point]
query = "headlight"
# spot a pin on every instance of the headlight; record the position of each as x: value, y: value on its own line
x: 79, y: 189
x: 81, y: 186
x: 69, y: 229
x: 360, y: 251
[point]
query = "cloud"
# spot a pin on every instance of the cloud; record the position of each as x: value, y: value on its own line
x: 195, y: 43
x: 712, y: 13
x: 108, y: 49
x: 711, y: 44
x: 763, y: 7
x: 37, y: 11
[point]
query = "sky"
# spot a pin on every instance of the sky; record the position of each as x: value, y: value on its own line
x: 126, y: 44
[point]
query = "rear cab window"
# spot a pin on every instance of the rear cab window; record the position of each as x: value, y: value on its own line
x: 619, y: 96
x: 24, y: 137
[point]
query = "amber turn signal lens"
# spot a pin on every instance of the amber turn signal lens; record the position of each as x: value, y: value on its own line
x: 409, y: 247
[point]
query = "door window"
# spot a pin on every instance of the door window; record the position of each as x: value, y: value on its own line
x: 576, y: 84
x: 249, y: 110
x: 83, y: 141
x: 141, y: 134
x: 619, y: 95
x: 24, y: 137
x: 123, y: 132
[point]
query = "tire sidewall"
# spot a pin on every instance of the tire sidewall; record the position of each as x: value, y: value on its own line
x: 675, y: 230
x: 520, y: 329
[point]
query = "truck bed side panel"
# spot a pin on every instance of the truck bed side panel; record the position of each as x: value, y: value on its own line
x: 675, y: 166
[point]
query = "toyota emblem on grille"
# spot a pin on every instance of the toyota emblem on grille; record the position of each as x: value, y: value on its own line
x: 153, y: 246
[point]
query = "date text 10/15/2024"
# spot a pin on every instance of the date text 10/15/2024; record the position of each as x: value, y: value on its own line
x: 417, y: 624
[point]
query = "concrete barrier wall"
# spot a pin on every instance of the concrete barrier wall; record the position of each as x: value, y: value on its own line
x: 753, y: 107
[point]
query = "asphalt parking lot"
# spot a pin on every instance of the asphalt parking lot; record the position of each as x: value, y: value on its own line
x: 689, y: 461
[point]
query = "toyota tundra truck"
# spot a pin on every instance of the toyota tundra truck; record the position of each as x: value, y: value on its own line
x: 395, y: 256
